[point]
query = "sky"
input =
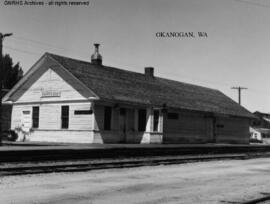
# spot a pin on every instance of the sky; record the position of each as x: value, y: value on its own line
x: 234, y: 53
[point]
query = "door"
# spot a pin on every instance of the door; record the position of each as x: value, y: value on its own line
x: 211, y: 129
x: 123, y: 125
x: 26, y: 119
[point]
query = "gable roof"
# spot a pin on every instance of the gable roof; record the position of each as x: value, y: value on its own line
x: 261, y: 114
x: 45, y: 63
x: 125, y: 86
x: 262, y: 130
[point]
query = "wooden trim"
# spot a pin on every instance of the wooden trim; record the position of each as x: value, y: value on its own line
x: 38, y: 69
x: 64, y: 73
x: 93, y: 117
x: 123, y: 104
x: 96, y: 131
x: 25, y: 77
x: 56, y: 101
x: 61, y: 130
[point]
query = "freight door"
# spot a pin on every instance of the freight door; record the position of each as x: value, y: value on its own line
x: 123, y: 125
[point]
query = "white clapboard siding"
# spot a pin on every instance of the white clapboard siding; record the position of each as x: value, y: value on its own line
x: 61, y: 136
x: 50, y: 116
x: 232, y: 130
x: 16, y: 117
x: 50, y: 80
x: 80, y: 122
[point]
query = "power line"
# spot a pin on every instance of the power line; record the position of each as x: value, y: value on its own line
x: 42, y: 44
x: 259, y: 92
x: 22, y: 51
x: 253, y: 3
x: 23, y: 39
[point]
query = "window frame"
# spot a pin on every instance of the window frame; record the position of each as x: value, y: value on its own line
x: 64, y: 117
x: 35, y: 116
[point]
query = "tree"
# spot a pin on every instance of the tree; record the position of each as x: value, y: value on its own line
x: 11, y: 73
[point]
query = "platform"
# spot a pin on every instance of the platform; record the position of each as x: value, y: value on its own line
x: 18, y: 152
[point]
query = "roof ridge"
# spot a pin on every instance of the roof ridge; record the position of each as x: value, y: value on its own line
x: 123, y: 70
x: 86, y: 62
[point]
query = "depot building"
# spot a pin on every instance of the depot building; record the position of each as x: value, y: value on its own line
x: 67, y: 100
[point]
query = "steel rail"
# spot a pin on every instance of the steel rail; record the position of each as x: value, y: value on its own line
x: 88, y: 165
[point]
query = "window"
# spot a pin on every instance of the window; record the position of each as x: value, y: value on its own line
x: 107, y: 117
x: 35, y: 117
x: 173, y: 116
x: 156, y: 120
x: 65, y: 117
x: 141, y: 120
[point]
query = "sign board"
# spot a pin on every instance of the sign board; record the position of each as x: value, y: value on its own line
x: 50, y: 93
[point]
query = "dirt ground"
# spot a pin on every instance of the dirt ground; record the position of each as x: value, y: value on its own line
x: 204, y: 182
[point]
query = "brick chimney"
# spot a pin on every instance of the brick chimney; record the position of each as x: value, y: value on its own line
x: 96, y: 58
x: 149, y: 72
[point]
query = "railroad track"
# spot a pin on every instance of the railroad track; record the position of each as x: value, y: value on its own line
x: 261, y: 200
x: 8, y: 169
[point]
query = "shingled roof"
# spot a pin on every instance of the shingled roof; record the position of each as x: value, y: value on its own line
x: 125, y: 86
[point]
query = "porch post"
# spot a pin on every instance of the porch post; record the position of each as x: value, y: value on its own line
x: 94, y: 124
x: 151, y: 135
x: 161, y: 123
x: 146, y: 139
x: 149, y: 120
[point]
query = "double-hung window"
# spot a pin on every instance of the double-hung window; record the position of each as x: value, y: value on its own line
x: 35, y: 117
x: 64, y: 117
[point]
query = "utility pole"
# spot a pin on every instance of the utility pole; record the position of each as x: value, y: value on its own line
x: 239, y: 88
x: 2, y: 36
